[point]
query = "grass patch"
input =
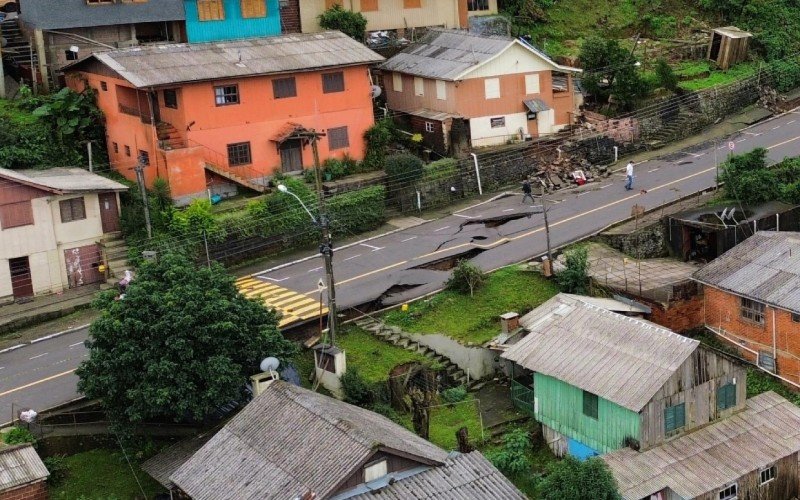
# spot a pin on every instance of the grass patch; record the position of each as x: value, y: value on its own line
x: 373, y: 357
x: 103, y: 474
x: 476, y: 319
x: 738, y: 72
x: 447, y: 419
x: 10, y: 110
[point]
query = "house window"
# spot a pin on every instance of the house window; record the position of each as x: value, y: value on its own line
x: 332, y: 82
x: 116, y: 147
x: 225, y: 95
x: 492, y: 88
x: 369, y: 5
x: 127, y: 150
x: 473, y: 5
x: 752, y: 311
x: 532, y: 84
x: 284, y: 87
x: 104, y: 86
x: 397, y: 82
x: 16, y: 214
x: 726, y: 397
x: 766, y: 361
x: 171, y: 98
x: 412, y: 4
x: 419, y: 86
x: 441, y: 90
x: 767, y: 475
x: 239, y: 154
x: 253, y: 8
x: 795, y: 317
x: 144, y: 157
x: 428, y: 126
x: 337, y: 138
x: 72, y: 209
x: 590, y: 404
x: 674, y: 418
x: 498, y: 122
x: 728, y: 492
x: 375, y: 470
x: 210, y: 10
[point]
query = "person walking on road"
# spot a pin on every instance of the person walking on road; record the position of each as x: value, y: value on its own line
x: 629, y: 176
x: 526, y: 190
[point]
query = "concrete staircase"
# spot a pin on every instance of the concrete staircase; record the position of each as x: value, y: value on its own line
x: 675, y: 128
x: 397, y: 337
x: 169, y: 137
x: 115, y: 253
x: 258, y: 184
x: 17, y: 47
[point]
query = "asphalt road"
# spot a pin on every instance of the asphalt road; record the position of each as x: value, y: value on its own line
x: 403, y: 265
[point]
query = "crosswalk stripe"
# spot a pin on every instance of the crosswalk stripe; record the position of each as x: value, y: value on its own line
x: 293, y: 306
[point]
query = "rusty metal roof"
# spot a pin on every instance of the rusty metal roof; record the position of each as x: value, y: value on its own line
x: 705, y: 460
x: 20, y: 465
x: 619, y: 358
x: 168, y: 64
x: 765, y: 267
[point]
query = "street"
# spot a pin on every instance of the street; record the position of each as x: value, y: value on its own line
x: 413, y: 262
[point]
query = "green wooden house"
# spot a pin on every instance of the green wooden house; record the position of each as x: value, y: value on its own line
x: 599, y: 381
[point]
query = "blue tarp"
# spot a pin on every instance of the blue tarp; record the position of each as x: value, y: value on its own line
x: 580, y: 450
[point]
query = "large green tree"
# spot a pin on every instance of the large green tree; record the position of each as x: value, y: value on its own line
x: 352, y: 24
x: 181, y: 342
x: 610, y: 69
x: 575, y: 480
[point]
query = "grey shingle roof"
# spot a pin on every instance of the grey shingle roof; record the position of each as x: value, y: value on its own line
x: 764, y: 267
x: 707, y: 459
x: 63, y: 180
x: 289, y: 441
x: 154, y: 65
x: 20, y: 465
x: 161, y: 466
x: 64, y: 14
x: 621, y: 359
x: 448, y: 54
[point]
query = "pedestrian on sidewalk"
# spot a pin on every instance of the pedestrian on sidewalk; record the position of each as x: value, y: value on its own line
x: 526, y: 190
x: 629, y: 176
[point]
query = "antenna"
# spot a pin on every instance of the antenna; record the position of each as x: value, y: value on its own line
x: 270, y: 365
x: 376, y: 91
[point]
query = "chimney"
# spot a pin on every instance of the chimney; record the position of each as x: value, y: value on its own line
x: 509, y: 322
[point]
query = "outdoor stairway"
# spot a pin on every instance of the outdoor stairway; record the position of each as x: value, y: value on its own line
x: 116, y: 251
x: 674, y: 129
x: 397, y: 337
x: 17, y: 46
x: 169, y: 137
x: 258, y: 185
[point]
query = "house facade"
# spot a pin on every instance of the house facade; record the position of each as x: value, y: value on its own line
x: 51, y: 225
x: 500, y: 88
x: 400, y: 15
x: 64, y: 31
x: 219, y: 116
x: 598, y: 381
x: 752, y: 301
x: 218, y: 20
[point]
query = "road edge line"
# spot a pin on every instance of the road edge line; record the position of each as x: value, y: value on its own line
x: 12, y: 348
x: 58, y: 334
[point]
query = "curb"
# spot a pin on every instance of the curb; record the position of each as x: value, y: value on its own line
x: 12, y: 348
x: 46, y: 337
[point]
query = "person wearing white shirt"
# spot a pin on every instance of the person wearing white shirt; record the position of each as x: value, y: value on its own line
x: 629, y: 176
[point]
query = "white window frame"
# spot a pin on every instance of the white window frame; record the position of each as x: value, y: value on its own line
x: 441, y: 90
x: 397, y: 82
x: 730, y: 496
x: 375, y: 470
x: 491, y: 88
x: 532, y: 84
x: 429, y: 127
x: 419, y: 86
x: 761, y: 481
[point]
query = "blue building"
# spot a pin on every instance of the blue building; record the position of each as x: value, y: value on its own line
x: 218, y: 20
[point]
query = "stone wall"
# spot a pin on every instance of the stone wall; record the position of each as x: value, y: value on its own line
x: 647, y: 242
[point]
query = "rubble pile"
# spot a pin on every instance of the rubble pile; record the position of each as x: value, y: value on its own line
x: 558, y: 170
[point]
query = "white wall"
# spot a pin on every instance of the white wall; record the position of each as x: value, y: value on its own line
x: 514, y: 60
x: 545, y: 120
x: 482, y: 133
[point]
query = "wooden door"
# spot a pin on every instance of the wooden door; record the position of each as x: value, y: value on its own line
x: 291, y: 156
x: 109, y: 212
x: 21, y: 281
x: 82, y: 265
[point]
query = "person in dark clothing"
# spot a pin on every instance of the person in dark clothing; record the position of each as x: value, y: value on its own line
x: 526, y: 190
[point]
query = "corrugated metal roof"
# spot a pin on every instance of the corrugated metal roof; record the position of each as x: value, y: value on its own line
x: 289, y: 441
x: 764, y: 267
x: 433, y: 115
x: 705, y: 460
x: 154, y: 65
x: 536, y: 105
x: 20, y: 465
x: 63, y: 14
x: 599, y: 351
x: 63, y: 180
x: 462, y: 477
x: 163, y: 465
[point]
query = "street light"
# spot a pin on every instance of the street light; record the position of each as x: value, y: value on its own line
x: 326, y: 249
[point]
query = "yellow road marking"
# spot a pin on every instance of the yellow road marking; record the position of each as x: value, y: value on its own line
x: 46, y: 379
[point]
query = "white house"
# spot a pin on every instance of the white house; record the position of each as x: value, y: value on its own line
x: 52, y: 223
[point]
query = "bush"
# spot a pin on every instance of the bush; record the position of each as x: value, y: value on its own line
x: 441, y: 169
x: 356, y: 390
x: 466, y: 277
x: 58, y: 468
x: 334, y: 168
x: 402, y: 170
x: 666, y: 77
x: 575, y: 277
x: 785, y: 74
x: 454, y: 394
x: 352, y: 24
x: 512, y: 459
x: 19, y: 435
x: 358, y: 211
x: 195, y: 222
x: 576, y: 480
x: 378, y: 137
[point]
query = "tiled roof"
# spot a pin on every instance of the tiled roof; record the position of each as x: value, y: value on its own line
x: 621, y: 359
x: 705, y: 460
x: 764, y: 267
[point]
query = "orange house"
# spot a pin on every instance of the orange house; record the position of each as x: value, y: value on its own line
x: 213, y: 117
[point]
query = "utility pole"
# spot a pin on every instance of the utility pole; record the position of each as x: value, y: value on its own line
x: 549, y: 269
x: 89, y: 154
x: 139, y: 169
x: 2, y: 75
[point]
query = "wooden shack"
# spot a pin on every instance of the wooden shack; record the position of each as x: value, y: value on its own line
x: 728, y: 46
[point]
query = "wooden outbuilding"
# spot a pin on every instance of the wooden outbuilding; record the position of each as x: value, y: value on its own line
x: 728, y: 46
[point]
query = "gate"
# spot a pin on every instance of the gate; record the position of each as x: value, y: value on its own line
x: 523, y: 398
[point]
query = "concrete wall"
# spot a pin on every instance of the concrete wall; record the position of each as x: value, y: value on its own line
x: 35, y: 491
x: 483, y: 134
x: 478, y: 362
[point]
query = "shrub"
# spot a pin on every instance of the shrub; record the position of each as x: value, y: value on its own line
x: 356, y: 390
x: 575, y: 277
x: 195, y: 222
x: 378, y: 137
x: 666, y: 77
x: 576, y: 480
x: 785, y: 74
x: 441, y: 169
x: 512, y: 459
x: 58, y: 468
x: 335, y: 169
x: 454, y: 394
x: 402, y: 170
x: 19, y: 435
x: 466, y: 277
x: 352, y: 24
x: 358, y: 211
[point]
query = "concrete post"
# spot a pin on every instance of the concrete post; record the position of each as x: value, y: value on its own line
x: 38, y: 37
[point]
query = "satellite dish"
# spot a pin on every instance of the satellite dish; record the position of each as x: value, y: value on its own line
x: 376, y: 91
x: 730, y: 214
x: 270, y: 364
x: 724, y: 214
